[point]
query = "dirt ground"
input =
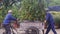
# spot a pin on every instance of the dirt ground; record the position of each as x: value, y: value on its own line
x: 57, y: 30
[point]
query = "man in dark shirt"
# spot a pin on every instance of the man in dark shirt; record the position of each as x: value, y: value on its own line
x: 50, y: 20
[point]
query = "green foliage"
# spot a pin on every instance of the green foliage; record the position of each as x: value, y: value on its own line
x: 3, y: 11
x: 15, y: 11
x: 57, y: 20
x: 1, y: 17
x: 32, y: 10
x: 52, y: 3
x: 56, y: 16
x: 55, y: 3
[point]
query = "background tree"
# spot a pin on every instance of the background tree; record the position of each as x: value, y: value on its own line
x: 32, y: 10
x: 9, y: 4
x: 51, y: 3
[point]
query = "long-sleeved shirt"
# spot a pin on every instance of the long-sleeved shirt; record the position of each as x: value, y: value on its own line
x: 49, y: 18
x: 8, y: 18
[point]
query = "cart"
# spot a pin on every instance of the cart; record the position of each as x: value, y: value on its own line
x: 36, y: 27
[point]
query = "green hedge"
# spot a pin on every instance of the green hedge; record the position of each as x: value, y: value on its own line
x: 32, y: 10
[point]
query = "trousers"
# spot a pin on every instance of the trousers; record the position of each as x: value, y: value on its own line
x: 7, y: 28
x: 51, y: 26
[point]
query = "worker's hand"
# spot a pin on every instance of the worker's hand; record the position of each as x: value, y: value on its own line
x: 18, y: 19
x: 44, y: 21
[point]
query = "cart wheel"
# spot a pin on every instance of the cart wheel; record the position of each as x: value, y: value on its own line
x: 4, y: 33
x: 13, y: 33
x: 32, y: 30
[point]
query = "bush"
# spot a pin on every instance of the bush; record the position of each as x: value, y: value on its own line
x: 56, y: 16
x: 32, y: 10
x: 4, y: 10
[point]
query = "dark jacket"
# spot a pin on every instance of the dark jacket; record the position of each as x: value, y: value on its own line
x: 49, y: 18
x: 8, y: 18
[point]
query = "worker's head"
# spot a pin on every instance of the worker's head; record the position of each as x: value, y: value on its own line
x: 9, y: 11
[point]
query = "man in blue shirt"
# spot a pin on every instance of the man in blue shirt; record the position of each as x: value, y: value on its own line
x: 50, y: 20
x: 7, y: 21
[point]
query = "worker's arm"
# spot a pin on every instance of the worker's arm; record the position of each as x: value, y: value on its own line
x: 47, y: 17
x: 13, y: 18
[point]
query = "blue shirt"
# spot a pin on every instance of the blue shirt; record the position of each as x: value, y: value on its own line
x: 49, y: 18
x: 8, y: 18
